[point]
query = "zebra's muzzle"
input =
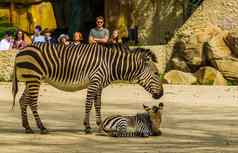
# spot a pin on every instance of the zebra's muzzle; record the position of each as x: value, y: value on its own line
x: 157, y: 95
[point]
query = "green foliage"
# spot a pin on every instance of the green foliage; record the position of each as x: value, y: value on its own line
x: 162, y: 78
x: 2, y: 79
x: 5, y: 26
x: 232, y: 82
x: 196, y: 3
x: 209, y: 82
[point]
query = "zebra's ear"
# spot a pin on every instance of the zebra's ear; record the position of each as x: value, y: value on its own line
x: 150, y: 56
x: 147, y: 108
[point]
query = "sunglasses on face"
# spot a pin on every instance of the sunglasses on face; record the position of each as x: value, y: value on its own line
x: 99, y: 22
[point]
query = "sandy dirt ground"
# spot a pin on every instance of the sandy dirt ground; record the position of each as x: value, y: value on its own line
x: 196, y: 119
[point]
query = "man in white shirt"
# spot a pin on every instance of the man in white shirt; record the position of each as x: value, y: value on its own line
x: 7, y: 42
x: 37, y: 37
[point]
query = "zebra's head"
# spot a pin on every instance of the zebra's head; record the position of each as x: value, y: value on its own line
x: 155, y: 114
x: 149, y: 77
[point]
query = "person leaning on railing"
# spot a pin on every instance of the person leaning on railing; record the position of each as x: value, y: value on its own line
x: 19, y: 41
x: 38, y: 37
x: 115, y: 37
x: 7, y: 42
x: 78, y: 37
x: 99, y: 34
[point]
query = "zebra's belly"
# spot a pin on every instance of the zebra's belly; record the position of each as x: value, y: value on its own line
x: 69, y: 86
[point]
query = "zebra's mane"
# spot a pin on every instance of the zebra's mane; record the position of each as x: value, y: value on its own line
x: 147, y: 53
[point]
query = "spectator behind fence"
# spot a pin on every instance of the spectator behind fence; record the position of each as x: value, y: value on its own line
x: 37, y: 37
x: 19, y: 41
x: 78, y: 37
x: 63, y: 39
x: 115, y: 37
x: 47, y: 34
x: 99, y: 34
x: 7, y: 42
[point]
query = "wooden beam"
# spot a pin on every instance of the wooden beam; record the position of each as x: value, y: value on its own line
x: 11, y: 11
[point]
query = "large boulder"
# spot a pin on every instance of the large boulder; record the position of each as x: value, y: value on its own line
x: 228, y: 67
x: 179, y: 64
x: 231, y: 41
x: 220, y: 56
x: 217, y: 48
x: 220, y: 13
x: 210, y: 76
x: 192, y: 50
x: 179, y: 77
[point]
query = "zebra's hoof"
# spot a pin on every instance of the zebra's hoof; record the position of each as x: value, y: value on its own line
x: 88, y: 130
x: 29, y: 131
x: 44, y: 131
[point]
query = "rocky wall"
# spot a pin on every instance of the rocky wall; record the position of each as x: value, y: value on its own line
x: 220, y: 13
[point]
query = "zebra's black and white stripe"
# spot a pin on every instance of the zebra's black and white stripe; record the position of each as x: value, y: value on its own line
x: 142, y: 124
x: 76, y: 67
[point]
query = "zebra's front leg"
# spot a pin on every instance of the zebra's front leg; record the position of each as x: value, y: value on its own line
x: 88, y: 106
x: 97, y: 106
x: 91, y: 98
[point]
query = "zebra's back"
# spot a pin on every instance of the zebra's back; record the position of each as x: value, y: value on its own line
x: 67, y: 68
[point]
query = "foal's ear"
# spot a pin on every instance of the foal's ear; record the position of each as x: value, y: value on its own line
x: 161, y: 106
x: 150, y: 56
x: 155, y: 109
x: 146, y: 108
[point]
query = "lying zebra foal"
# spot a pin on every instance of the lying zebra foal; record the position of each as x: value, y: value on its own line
x: 142, y: 124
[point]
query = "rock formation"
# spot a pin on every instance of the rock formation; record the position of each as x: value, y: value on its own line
x: 208, y: 38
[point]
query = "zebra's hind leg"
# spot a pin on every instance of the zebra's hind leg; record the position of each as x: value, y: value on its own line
x: 24, y: 100
x: 38, y: 120
x: 33, y: 91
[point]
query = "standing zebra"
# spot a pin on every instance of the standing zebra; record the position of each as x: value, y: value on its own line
x: 142, y: 124
x: 76, y: 67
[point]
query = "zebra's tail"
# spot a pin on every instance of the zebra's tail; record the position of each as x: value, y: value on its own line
x: 14, y: 86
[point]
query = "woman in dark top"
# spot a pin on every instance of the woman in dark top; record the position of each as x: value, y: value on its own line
x: 19, y: 41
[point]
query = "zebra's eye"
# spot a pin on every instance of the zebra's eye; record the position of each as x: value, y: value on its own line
x: 156, y: 73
